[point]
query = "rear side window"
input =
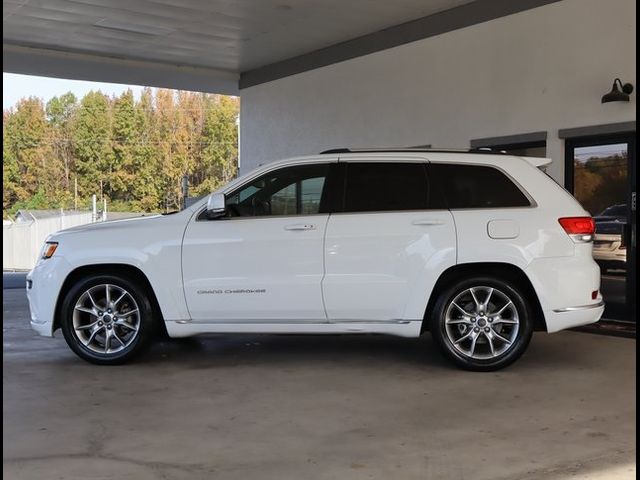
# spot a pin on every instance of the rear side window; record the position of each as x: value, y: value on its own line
x: 379, y: 187
x: 476, y: 186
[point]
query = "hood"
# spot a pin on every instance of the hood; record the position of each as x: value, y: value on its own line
x: 123, y: 224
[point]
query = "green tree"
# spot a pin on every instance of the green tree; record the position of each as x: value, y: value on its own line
x: 91, y: 135
x: 219, y: 143
x: 10, y: 170
x: 60, y: 111
x: 171, y: 137
x: 147, y: 183
x: 125, y: 135
x: 27, y: 156
x: 134, y: 152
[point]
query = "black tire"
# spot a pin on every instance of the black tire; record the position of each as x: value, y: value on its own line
x: 443, y: 332
x: 145, y: 326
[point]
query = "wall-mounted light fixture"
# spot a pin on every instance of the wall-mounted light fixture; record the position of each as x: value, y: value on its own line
x: 615, y: 95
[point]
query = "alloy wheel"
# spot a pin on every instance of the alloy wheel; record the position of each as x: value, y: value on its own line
x: 481, y: 323
x: 106, y: 319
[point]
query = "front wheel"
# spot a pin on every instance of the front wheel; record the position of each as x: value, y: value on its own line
x: 106, y: 319
x: 482, y: 323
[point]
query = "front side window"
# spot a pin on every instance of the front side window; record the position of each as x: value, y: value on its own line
x: 379, y: 187
x: 476, y: 186
x: 289, y: 191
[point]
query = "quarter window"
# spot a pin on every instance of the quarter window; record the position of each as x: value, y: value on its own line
x: 476, y: 186
x: 376, y: 187
x: 288, y: 191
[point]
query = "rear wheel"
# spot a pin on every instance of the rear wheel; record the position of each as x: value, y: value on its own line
x: 482, y: 323
x: 106, y: 319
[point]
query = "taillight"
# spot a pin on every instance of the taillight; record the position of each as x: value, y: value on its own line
x: 580, y: 229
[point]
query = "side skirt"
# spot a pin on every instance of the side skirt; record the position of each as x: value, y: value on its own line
x: 400, y: 328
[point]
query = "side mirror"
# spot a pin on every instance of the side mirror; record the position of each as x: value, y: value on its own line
x: 216, y: 206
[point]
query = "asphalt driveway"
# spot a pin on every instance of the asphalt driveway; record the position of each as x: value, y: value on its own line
x: 318, y: 407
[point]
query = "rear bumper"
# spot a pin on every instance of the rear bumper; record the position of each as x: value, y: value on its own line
x: 569, y: 317
x: 565, y: 286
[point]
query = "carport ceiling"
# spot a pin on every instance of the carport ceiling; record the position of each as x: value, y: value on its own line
x: 227, y: 37
x: 234, y: 35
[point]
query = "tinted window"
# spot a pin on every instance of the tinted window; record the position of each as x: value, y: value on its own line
x: 288, y: 191
x: 475, y: 186
x: 372, y: 187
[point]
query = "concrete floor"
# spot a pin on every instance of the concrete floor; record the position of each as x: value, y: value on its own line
x: 336, y: 407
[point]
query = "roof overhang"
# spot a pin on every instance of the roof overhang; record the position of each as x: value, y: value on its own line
x: 220, y: 46
x: 80, y: 66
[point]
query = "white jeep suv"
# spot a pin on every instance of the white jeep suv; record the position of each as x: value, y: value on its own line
x: 480, y: 249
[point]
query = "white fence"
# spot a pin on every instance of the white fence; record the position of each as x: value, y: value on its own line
x: 22, y: 241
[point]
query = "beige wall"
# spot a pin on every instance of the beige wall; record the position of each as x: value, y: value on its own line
x: 542, y: 69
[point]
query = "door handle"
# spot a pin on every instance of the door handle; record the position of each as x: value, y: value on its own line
x: 300, y: 226
x: 428, y: 221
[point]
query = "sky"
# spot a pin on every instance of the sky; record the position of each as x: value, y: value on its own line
x: 14, y: 87
x: 583, y: 154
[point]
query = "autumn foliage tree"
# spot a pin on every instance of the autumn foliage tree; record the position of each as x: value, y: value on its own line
x: 32, y: 170
x: 131, y: 151
x: 601, y: 182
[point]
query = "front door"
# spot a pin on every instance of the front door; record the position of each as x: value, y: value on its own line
x: 601, y: 174
x: 263, y: 261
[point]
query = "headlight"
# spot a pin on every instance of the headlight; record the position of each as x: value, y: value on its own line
x: 49, y: 249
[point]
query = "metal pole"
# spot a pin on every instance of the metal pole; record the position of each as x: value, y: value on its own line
x: 75, y: 193
x: 185, y: 190
x: 94, y: 209
x: 104, y: 209
x: 238, y: 141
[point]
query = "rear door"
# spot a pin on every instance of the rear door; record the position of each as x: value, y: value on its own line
x: 386, y: 244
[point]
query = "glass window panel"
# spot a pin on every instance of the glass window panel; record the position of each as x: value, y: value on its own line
x: 378, y: 187
x: 600, y: 176
x: 288, y: 191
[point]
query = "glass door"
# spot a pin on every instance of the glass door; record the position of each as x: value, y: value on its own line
x: 600, y: 172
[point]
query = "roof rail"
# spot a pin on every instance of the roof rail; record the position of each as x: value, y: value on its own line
x: 335, y: 150
x: 481, y: 150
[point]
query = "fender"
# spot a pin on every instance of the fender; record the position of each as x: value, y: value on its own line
x: 153, y: 246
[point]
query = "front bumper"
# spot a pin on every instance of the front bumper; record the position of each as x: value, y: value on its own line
x: 44, y: 283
